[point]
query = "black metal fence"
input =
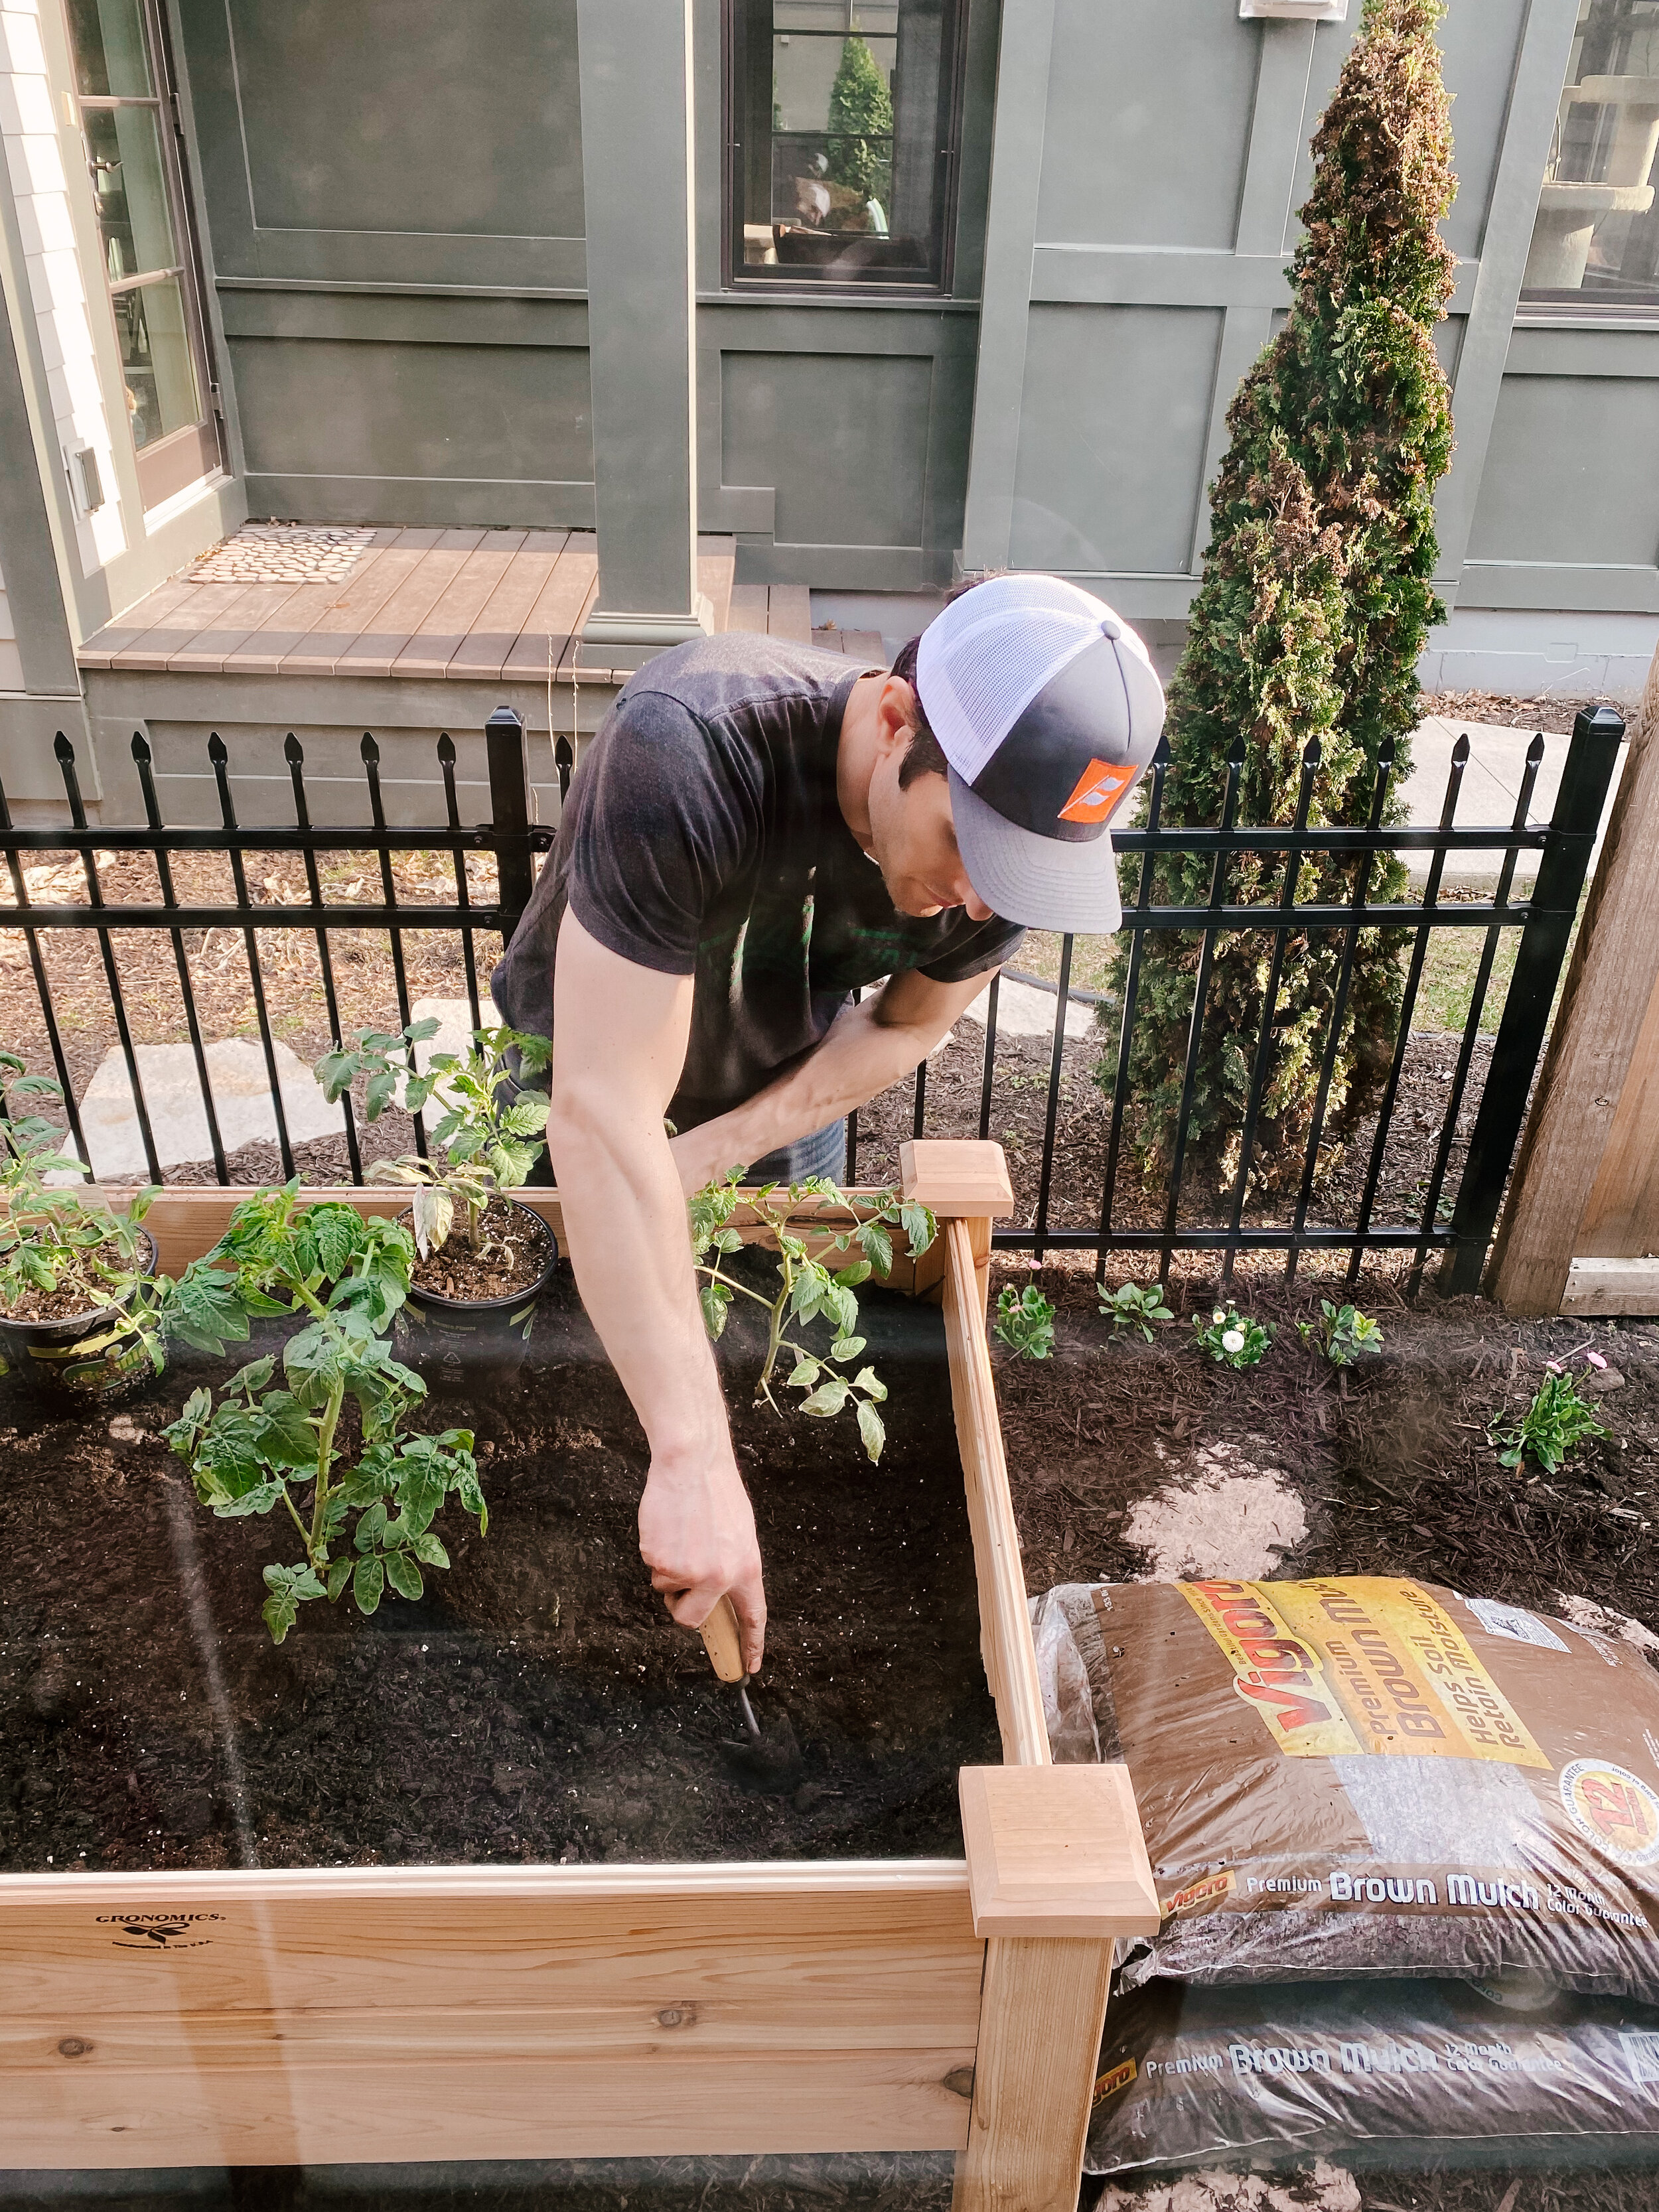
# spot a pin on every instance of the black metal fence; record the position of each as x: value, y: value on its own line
x: 1544, y: 920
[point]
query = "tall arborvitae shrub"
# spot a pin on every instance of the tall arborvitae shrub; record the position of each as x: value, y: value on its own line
x: 1311, y: 616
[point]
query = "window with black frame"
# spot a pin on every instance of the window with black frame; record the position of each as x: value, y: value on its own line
x: 841, y: 140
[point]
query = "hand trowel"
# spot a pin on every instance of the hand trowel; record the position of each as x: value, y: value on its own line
x: 771, y: 1761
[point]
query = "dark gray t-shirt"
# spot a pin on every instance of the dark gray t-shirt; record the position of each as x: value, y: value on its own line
x: 702, y: 837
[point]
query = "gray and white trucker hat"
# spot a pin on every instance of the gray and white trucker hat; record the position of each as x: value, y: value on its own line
x: 1047, y: 708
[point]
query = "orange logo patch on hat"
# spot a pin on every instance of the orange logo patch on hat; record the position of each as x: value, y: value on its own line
x: 1099, y: 788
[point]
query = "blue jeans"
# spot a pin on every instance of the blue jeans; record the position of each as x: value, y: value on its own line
x: 824, y: 1154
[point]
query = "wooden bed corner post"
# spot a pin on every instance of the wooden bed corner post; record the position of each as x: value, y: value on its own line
x: 964, y: 1182
x: 1057, y: 1872
x: 1057, y: 1867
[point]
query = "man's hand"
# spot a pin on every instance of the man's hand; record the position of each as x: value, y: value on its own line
x: 697, y: 1537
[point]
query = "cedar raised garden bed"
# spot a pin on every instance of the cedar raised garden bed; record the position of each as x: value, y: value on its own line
x: 310, y: 2015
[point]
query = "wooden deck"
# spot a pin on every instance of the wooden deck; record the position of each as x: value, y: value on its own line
x: 461, y: 606
x: 469, y: 606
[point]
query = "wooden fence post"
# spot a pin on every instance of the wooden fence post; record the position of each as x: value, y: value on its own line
x: 1057, y: 1871
x: 1610, y: 986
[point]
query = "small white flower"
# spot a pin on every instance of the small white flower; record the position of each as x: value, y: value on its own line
x: 1218, y: 1315
x: 1233, y: 1340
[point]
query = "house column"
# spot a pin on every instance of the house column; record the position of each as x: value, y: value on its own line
x: 634, y: 57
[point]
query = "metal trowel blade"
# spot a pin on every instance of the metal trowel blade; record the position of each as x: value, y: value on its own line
x: 770, y: 1760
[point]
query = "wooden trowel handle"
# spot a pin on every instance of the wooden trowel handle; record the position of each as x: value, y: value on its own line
x: 724, y: 1642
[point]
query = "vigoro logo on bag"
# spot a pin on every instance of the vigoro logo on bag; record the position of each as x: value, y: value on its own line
x: 1361, y: 1663
x: 1118, y: 2077
x: 1613, y: 1808
x: 1273, y: 1670
x: 1099, y: 788
x: 1210, y: 1891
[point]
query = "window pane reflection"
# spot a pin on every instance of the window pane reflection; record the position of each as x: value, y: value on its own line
x: 1596, y: 239
x: 110, y: 57
x: 134, y: 219
x: 841, y: 139
x: 156, y: 361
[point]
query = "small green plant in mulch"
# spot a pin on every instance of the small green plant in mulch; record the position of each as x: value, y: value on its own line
x: 1553, y: 1426
x: 1232, y: 1339
x: 490, y: 1139
x: 807, y: 1290
x: 1341, y: 1334
x: 1135, y: 1306
x: 1025, y: 1322
x: 258, y: 1447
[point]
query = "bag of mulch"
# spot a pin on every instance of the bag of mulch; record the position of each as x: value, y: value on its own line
x: 1372, y: 2074
x: 1360, y: 1776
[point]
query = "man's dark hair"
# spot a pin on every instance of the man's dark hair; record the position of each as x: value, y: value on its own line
x: 926, y: 756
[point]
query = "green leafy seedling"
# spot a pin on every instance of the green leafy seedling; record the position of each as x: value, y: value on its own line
x: 1342, y: 1334
x: 1133, y: 1307
x: 260, y: 1447
x: 1232, y: 1339
x: 1025, y: 1322
x: 489, y: 1143
x: 1553, y: 1426
x: 808, y: 1290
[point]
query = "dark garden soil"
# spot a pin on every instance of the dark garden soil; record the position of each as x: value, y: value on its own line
x: 901, y: 2181
x: 535, y: 1704
x: 71, y: 1298
x: 516, y: 1248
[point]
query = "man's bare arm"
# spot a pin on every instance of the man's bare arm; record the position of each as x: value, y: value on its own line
x: 870, y: 1046
x: 619, y: 1036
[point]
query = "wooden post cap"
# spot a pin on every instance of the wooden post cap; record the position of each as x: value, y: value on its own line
x: 957, y: 1177
x: 1056, y: 1850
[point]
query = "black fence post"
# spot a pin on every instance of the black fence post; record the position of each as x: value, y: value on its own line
x: 509, y: 813
x: 1562, y: 868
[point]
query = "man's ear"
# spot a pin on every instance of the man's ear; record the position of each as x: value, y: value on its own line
x: 897, y: 713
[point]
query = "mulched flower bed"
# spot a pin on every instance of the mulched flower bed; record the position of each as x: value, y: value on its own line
x: 537, y: 1703
x: 1390, y: 1467
x: 1553, y: 716
x: 955, y: 1076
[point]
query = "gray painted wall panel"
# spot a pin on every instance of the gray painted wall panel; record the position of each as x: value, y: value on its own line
x: 1148, y: 122
x: 1111, y: 454
x: 336, y: 407
x: 1477, y: 38
x: 337, y: 103
x: 391, y: 141
x: 1572, y: 473
x: 842, y: 437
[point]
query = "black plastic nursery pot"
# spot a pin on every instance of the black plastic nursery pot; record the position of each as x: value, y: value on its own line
x: 91, y: 1355
x: 488, y: 1328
